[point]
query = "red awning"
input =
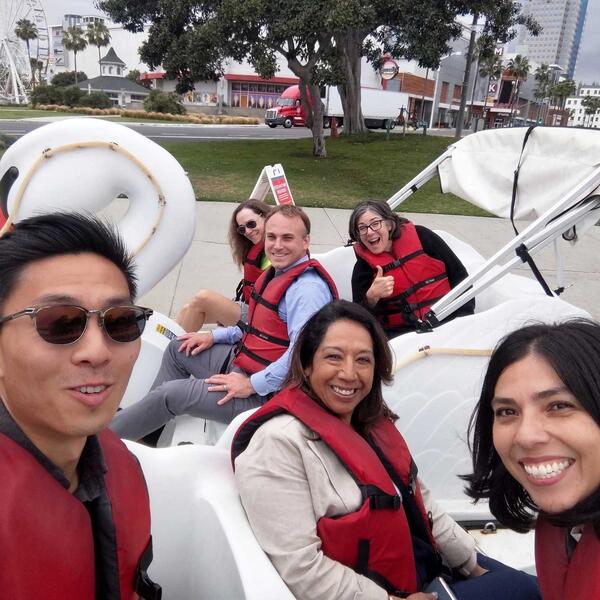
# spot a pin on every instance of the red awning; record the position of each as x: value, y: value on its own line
x: 257, y: 79
x: 152, y: 75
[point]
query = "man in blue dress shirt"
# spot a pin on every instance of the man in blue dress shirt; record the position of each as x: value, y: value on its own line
x: 220, y: 388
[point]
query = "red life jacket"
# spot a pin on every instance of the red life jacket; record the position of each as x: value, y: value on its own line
x: 419, y: 279
x: 252, y: 271
x: 46, y: 539
x: 376, y: 540
x: 559, y: 577
x: 266, y: 335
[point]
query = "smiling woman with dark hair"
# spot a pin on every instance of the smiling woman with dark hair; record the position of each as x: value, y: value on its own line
x: 401, y: 269
x: 246, y: 238
x: 330, y: 487
x: 536, y: 447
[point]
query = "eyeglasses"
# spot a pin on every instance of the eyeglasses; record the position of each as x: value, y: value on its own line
x: 373, y: 226
x: 66, y: 323
x: 241, y: 229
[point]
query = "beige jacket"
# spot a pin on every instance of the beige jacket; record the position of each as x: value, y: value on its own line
x: 288, y: 479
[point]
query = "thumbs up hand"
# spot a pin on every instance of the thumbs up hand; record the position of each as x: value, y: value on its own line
x: 382, y: 287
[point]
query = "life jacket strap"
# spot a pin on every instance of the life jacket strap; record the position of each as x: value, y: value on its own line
x: 400, y: 261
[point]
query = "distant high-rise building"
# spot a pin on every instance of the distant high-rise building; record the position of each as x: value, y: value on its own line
x: 558, y: 43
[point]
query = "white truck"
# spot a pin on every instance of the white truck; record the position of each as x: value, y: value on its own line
x: 379, y: 107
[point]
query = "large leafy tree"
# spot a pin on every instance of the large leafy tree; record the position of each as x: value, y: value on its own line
x: 27, y: 31
x: 323, y: 41
x: 421, y: 31
x: 193, y: 39
x: 74, y: 40
x: 97, y: 34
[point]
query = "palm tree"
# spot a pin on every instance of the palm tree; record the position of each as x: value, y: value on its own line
x: 482, y: 49
x: 562, y: 90
x: 490, y: 65
x: 519, y: 68
x: 543, y: 76
x: 27, y: 31
x: 97, y: 34
x: 73, y: 40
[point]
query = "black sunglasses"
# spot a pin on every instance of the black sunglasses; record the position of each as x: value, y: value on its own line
x: 241, y: 229
x: 66, y: 323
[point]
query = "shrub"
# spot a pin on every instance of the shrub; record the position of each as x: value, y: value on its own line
x: 95, y: 100
x: 5, y: 141
x: 46, y: 94
x: 68, y: 78
x: 162, y: 102
x: 72, y: 95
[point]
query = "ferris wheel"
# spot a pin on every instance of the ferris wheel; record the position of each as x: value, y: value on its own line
x: 15, y: 68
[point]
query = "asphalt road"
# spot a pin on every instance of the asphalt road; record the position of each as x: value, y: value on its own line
x: 176, y: 132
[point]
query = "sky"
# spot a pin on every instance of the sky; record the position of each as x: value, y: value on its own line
x: 588, y: 62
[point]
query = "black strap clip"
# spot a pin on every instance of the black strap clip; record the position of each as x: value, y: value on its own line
x: 144, y: 586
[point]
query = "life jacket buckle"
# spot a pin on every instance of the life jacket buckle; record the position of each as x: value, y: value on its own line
x: 385, y: 502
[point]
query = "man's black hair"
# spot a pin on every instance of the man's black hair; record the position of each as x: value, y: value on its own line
x: 56, y: 234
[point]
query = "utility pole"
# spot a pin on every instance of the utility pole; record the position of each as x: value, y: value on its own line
x: 465, y: 85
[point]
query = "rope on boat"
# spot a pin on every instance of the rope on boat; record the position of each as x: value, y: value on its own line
x: 50, y: 152
x: 428, y: 351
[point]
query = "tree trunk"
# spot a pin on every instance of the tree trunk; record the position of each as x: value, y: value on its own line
x: 99, y: 65
x: 319, y: 149
x: 465, y: 84
x: 313, y: 105
x: 351, y: 45
x: 306, y: 104
x: 75, y: 61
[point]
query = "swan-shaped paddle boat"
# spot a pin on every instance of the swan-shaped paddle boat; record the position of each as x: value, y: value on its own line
x: 203, y: 544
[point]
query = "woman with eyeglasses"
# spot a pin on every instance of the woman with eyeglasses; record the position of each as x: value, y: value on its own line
x: 536, y: 449
x: 331, y: 490
x: 401, y: 269
x: 246, y: 238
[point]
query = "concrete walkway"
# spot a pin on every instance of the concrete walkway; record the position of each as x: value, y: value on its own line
x: 208, y: 262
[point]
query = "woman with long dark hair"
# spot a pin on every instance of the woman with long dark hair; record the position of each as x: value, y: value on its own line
x: 536, y: 449
x: 330, y: 487
x: 401, y: 269
x: 246, y: 238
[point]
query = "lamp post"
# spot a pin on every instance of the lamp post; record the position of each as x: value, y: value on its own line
x: 435, y: 87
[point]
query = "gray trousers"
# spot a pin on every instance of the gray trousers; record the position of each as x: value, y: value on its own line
x: 174, y: 393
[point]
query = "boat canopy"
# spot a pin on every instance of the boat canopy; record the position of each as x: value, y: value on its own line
x: 548, y: 175
x: 554, y: 161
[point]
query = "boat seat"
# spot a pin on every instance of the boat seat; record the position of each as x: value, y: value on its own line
x: 203, y: 544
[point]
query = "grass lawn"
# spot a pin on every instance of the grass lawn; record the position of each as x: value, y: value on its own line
x: 357, y: 168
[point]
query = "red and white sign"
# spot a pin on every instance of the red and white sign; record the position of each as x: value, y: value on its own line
x: 389, y: 69
x: 281, y: 189
x: 273, y: 178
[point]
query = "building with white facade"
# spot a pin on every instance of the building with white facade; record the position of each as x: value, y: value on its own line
x: 558, y: 43
x: 575, y: 106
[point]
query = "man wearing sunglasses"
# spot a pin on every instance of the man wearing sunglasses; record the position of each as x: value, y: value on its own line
x: 232, y: 369
x: 74, y: 506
